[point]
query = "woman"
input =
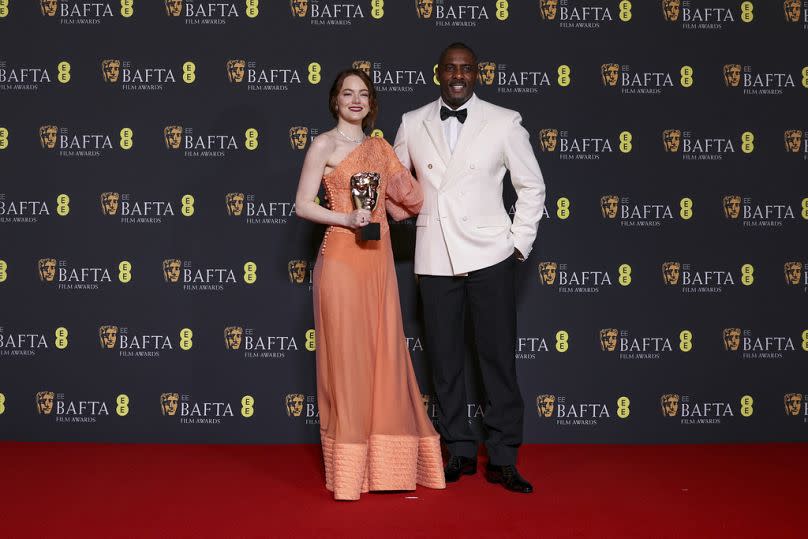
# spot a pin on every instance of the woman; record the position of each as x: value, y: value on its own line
x: 373, y: 426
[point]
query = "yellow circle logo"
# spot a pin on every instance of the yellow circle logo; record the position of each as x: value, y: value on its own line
x: 623, y: 407
x: 625, y: 10
x: 62, y: 205
x: 250, y: 275
x: 251, y: 138
x: 3, y: 138
x: 747, y: 11
x: 502, y: 10
x: 686, y: 208
x: 187, y: 205
x: 687, y: 76
x: 564, y: 75
x: 189, y: 72
x: 625, y: 141
x: 685, y: 340
x: 186, y: 338
x: 747, y: 274
x: 247, y: 406
x: 624, y: 273
x: 3, y: 271
x: 122, y: 401
x: 746, y: 405
x: 314, y: 73
x: 61, y: 338
x: 562, y: 341
x: 125, y: 271
x: 377, y: 9
x: 126, y: 138
x: 127, y: 8
x: 2, y: 403
x: 311, y: 342
x: 748, y: 142
x: 252, y: 8
x: 64, y: 72
x: 563, y: 208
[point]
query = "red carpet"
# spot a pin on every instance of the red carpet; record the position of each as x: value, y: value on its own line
x: 99, y: 490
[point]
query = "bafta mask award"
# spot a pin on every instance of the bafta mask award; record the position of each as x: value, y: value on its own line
x: 365, y: 195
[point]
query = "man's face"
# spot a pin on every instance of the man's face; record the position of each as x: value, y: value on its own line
x: 671, y: 10
x: 174, y: 7
x: 169, y: 402
x: 732, y: 74
x: 112, y: 69
x: 487, y: 71
x: 457, y: 74
x: 608, y: 206
x: 171, y: 269
x: 670, y: 405
x: 546, y: 404
x: 793, y: 140
x: 549, y: 139
x: 424, y: 8
x: 109, y: 335
x: 235, y: 204
x: 47, y: 269
x: 732, y: 206
x: 44, y: 401
x: 792, y: 9
x: 793, y: 272
x: 48, y: 7
x: 548, y: 9
x: 298, y: 136
x: 47, y: 134
x: 608, y: 340
x: 548, y: 272
x: 297, y: 271
x: 235, y: 70
x: 233, y: 337
x: 173, y: 136
x: 300, y: 7
x: 294, y: 404
x: 610, y: 73
x: 732, y: 339
x: 793, y: 404
x: 109, y: 201
x: 671, y: 273
x: 672, y: 138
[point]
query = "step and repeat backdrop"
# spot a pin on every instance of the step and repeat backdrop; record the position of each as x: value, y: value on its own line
x: 155, y: 281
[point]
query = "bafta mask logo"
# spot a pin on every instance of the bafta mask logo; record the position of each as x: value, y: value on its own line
x: 670, y: 404
x: 48, y: 7
x: 793, y: 403
x: 672, y: 138
x: 425, y: 400
x: 793, y: 272
x: 792, y: 10
x: 732, y: 75
x: 670, y: 10
x: 547, y: 272
x: 110, y: 70
x: 732, y: 206
x: 609, y: 73
x: 44, y: 402
x: 234, y: 203
x: 486, y: 72
x: 670, y: 273
x: 424, y: 8
x: 545, y: 405
x: 608, y: 206
x: 298, y: 137
x: 793, y: 139
x: 47, y: 269
x: 169, y: 402
x: 362, y: 65
x: 732, y: 339
x: 548, y: 139
x: 549, y: 9
x: 108, y: 335
x: 294, y: 404
x: 47, y: 136
x: 171, y: 270
x: 608, y: 339
x: 299, y: 7
x: 109, y: 203
x: 173, y: 136
x: 173, y: 8
x: 235, y: 70
x: 297, y: 271
x: 232, y: 337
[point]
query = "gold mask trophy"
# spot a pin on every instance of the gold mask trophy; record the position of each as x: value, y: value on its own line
x: 365, y: 195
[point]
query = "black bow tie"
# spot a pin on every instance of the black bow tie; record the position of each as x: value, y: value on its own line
x: 461, y: 114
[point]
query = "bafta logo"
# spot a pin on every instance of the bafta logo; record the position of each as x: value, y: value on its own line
x: 171, y: 270
x: 671, y: 138
x: 47, y: 269
x: 47, y: 136
x: 792, y: 10
x: 609, y: 73
x: 48, y: 7
x: 173, y: 8
x: 294, y: 404
x: 298, y: 137
x: 235, y: 70
x: 670, y: 404
x: 548, y: 139
x: 670, y: 10
x: 169, y: 402
x: 732, y: 75
x: 793, y: 139
x: 232, y: 337
x: 173, y: 136
x: 44, y: 402
x: 362, y: 65
x: 608, y: 339
x: 547, y: 272
x: 732, y: 206
x: 109, y: 203
x: 299, y: 7
x: 545, y: 405
x: 793, y: 272
x: 110, y: 70
x: 108, y: 335
x: 548, y: 9
x: 793, y: 403
x: 425, y: 400
x: 670, y: 272
x: 235, y: 203
x: 486, y: 72
x: 424, y: 8
x: 297, y: 271
x: 608, y: 206
x: 732, y: 339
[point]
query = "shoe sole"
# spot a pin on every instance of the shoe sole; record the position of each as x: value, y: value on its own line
x: 500, y: 482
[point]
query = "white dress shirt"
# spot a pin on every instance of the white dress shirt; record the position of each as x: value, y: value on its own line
x: 452, y: 126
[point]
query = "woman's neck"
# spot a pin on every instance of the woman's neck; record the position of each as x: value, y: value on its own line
x: 353, y: 130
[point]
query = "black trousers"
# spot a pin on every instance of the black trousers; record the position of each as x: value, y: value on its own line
x: 489, y: 294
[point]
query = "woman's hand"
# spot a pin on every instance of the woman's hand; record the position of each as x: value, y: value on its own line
x: 357, y: 219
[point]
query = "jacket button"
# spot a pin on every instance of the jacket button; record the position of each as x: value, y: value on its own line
x: 429, y: 166
x: 471, y: 166
x: 465, y: 219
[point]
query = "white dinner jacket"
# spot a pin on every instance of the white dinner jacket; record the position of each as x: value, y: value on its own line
x: 463, y: 225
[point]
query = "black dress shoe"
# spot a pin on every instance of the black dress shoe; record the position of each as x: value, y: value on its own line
x: 508, y: 477
x: 458, y: 466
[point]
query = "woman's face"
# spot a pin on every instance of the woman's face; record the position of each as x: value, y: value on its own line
x: 353, y: 102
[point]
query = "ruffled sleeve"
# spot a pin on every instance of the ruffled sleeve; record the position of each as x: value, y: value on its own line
x: 404, y: 196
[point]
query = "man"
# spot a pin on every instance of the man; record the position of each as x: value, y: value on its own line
x: 459, y: 147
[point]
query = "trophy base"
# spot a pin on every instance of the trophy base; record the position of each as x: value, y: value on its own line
x: 370, y: 232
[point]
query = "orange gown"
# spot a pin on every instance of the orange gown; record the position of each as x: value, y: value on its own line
x: 373, y: 425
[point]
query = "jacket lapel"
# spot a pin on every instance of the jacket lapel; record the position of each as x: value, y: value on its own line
x: 435, y: 129
x: 475, y: 123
